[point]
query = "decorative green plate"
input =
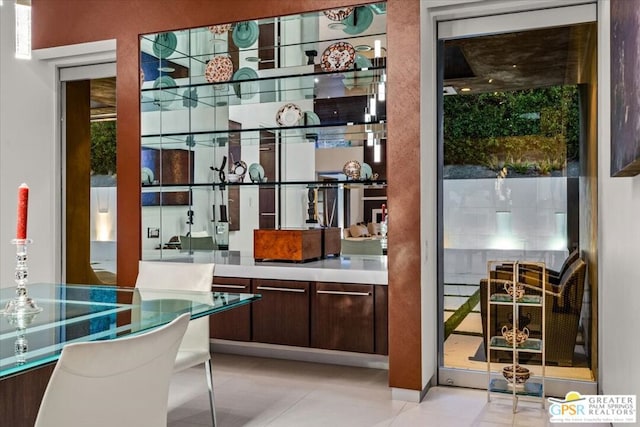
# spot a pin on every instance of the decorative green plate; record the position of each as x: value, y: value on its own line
x: 358, y: 21
x: 164, y: 44
x: 245, y: 33
x: 248, y: 89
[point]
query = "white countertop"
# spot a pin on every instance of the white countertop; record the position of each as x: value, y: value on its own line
x: 366, y: 269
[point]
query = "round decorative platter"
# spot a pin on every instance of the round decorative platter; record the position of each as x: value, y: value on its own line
x: 309, y: 118
x: 358, y: 21
x: 245, y: 34
x: 163, y: 97
x: 359, y: 78
x: 288, y: 115
x: 338, y: 57
x: 220, y: 28
x: 164, y: 44
x: 256, y: 172
x: 219, y: 69
x: 248, y: 89
x: 352, y: 169
x: 366, y: 172
x: 338, y: 14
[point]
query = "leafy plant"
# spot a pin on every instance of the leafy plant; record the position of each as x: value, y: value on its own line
x: 532, y: 124
x: 103, y: 147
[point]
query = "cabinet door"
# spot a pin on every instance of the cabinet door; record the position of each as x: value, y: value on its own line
x: 282, y: 315
x: 343, y: 317
x: 233, y: 324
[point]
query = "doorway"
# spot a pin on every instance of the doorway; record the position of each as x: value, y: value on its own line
x: 89, y: 141
x: 516, y: 182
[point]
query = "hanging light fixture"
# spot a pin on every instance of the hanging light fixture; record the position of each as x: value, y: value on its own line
x: 23, y: 29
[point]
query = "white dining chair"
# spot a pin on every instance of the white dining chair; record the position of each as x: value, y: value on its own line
x: 122, y: 382
x: 194, y: 349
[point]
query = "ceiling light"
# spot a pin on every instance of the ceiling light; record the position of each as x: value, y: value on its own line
x: 490, y: 80
x: 465, y: 89
x: 514, y: 65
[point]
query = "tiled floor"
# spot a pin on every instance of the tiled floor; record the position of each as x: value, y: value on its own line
x: 269, y: 392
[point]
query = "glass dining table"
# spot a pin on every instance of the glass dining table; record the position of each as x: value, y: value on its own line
x: 76, y: 313
x: 29, y: 344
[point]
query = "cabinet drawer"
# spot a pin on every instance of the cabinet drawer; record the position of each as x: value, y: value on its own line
x: 233, y: 324
x: 282, y: 315
x: 343, y: 317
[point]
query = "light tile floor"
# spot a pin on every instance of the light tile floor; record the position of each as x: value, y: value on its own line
x: 252, y: 391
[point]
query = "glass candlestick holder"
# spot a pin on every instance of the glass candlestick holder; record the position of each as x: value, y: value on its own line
x: 21, y: 304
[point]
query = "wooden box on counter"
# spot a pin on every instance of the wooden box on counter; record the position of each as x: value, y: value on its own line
x: 287, y: 244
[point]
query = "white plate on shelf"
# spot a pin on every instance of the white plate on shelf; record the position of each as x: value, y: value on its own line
x: 288, y: 115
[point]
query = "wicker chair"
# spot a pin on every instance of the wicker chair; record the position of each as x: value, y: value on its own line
x: 562, y: 306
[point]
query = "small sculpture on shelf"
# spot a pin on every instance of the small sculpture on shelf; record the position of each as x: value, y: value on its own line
x: 511, y: 334
x: 516, y: 291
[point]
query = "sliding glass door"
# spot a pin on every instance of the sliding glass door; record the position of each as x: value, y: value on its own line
x: 515, y: 167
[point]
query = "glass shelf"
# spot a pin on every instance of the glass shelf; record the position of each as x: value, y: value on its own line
x: 152, y: 188
x: 530, y: 300
x: 529, y: 388
x: 195, y: 91
x: 531, y: 345
x: 330, y: 136
x: 328, y: 32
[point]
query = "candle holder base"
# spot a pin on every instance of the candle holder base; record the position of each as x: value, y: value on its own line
x: 22, y: 305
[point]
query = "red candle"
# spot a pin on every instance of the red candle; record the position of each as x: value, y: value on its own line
x: 23, y: 204
x: 384, y: 212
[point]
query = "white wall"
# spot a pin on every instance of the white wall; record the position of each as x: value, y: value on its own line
x: 28, y: 153
x: 619, y: 251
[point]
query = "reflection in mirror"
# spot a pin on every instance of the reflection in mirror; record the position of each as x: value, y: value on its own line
x: 251, y: 123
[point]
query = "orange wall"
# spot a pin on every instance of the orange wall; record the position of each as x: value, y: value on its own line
x: 62, y: 22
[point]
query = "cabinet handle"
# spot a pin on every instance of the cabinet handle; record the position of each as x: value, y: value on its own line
x: 268, y: 213
x: 359, y: 294
x: 229, y: 286
x: 269, y: 288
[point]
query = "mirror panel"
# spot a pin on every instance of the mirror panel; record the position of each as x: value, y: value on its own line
x: 250, y: 125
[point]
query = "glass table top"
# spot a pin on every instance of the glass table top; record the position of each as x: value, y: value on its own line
x: 76, y: 313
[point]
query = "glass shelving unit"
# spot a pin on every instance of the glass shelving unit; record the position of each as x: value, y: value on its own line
x: 198, y: 120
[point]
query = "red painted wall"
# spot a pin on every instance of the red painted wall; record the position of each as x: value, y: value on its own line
x: 62, y: 22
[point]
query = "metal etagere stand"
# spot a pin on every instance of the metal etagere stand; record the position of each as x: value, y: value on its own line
x: 515, y: 380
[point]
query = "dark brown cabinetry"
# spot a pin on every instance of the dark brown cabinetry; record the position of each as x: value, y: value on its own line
x: 342, y: 317
x: 282, y: 315
x: 233, y: 324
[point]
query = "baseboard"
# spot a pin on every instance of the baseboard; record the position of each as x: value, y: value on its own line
x: 303, y: 354
x: 407, y: 395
